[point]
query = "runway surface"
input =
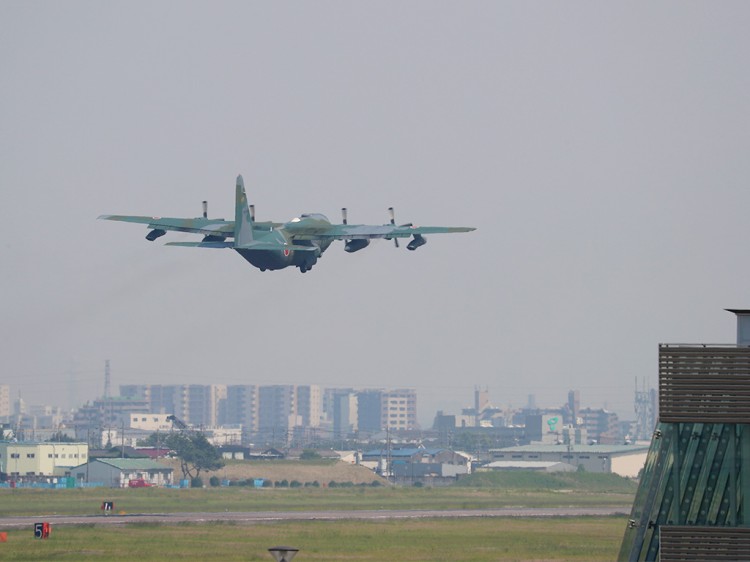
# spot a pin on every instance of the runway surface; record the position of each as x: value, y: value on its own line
x: 254, y: 517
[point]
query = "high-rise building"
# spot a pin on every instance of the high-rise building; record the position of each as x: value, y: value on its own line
x: 399, y: 409
x: 370, y: 411
x: 242, y: 407
x: 162, y: 399
x: 601, y: 425
x: 4, y: 400
x: 344, y: 414
x: 277, y: 409
x: 481, y: 400
x: 574, y: 406
x: 196, y: 404
x: 309, y: 405
x: 203, y: 403
x: 110, y: 413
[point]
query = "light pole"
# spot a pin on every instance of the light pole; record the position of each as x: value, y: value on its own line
x: 283, y: 553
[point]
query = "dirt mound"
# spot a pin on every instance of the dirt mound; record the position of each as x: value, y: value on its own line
x: 276, y: 471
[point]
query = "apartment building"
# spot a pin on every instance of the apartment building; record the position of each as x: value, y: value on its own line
x: 345, y: 412
x: 309, y: 405
x: 399, y: 409
x: 241, y: 407
x: 370, y: 410
x: 277, y: 409
x: 4, y: 400
x: 195, y: 404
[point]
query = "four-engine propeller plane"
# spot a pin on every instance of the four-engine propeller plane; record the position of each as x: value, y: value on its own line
x: 269, y: 245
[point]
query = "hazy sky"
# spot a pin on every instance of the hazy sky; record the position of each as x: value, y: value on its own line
x: 600, y: 149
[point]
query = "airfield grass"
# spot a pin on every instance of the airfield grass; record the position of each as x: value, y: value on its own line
x: 240, y: 499
x: 457, y: 540
x: 470, y: 539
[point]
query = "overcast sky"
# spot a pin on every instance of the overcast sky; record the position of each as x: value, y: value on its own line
x: 600, y: 149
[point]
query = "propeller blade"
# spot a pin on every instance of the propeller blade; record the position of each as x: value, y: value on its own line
x: 393, y: 222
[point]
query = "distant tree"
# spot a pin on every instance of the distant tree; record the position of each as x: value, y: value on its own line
x: 58, y: 437
x: 150, y: 441
x: 196, y: 454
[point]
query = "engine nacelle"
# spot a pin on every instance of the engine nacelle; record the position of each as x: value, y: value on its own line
x: 355, y: 245
x: 416, y: 242
x: 154, y: 234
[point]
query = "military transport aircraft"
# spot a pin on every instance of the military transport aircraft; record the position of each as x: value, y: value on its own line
x: 269, y: 245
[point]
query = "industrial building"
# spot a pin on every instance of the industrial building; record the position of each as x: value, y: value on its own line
x: 31, y: 460
x: 625, y: 460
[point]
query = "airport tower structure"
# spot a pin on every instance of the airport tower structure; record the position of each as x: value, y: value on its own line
x: 693, y: 500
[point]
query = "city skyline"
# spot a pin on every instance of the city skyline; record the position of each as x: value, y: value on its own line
x: 598, y: 149
x: 477, y: 399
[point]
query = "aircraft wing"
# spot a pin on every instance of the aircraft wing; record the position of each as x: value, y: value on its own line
x: 199, y: 225
x: 254, y: 245
x: 367, y: 232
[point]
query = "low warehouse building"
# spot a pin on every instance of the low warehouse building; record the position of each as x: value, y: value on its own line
x: 121, y: 473
x: 625, y: 460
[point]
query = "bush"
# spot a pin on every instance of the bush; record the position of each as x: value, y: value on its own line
x: 309, y: 454
x: 418, y: 484
x: 375, y: 483
x: 196, y: 482
x: 214, y: 481
x: 295, y: 484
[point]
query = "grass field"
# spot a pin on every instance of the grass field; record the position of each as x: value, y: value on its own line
x: 464, y: 540
x: 81, y: 502
x: 459, y: 540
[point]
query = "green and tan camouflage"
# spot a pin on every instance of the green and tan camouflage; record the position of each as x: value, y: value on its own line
x: 271, y: 245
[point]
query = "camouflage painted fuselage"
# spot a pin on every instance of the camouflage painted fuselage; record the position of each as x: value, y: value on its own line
x: 284, y: 235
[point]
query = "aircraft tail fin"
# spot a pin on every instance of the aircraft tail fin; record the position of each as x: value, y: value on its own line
x: 243, y: 221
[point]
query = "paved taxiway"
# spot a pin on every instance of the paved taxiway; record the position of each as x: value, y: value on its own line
x: 253, y: 517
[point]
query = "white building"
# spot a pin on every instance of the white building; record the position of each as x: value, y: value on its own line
x: 150, y: 422
x: 399, y: 409
x: 625, y: 460
x: 30, y: 459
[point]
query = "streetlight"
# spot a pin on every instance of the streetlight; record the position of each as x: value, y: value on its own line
x: 283, y: 553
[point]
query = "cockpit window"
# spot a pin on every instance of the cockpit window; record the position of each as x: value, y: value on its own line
x: 310, y: 216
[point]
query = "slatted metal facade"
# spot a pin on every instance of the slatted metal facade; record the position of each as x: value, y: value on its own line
x: 704, y: 383
x: 693, y: 499
x: 713, y: 544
